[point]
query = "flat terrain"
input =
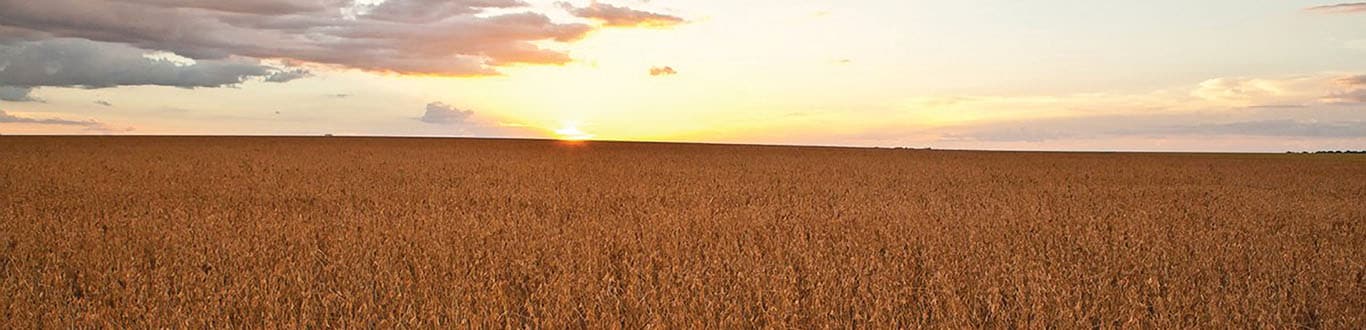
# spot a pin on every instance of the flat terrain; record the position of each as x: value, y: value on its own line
x: 226, y: 232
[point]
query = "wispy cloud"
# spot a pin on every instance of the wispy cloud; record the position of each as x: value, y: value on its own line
x: 1083, y: 128
x: 1353, y: 80
x: 1253, y: 92
x: 616, y: 16
x: 1349, y: 7
x: 663, y: 71
x: 1354, y: 90
x: 1352, y: 96
x: 6, y: 117
x: 1275, y: 128
x: 1317, y: 107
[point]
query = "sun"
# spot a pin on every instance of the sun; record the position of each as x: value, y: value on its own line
x: 570, y: 131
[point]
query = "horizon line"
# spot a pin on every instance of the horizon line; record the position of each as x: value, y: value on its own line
x: 738, y: 144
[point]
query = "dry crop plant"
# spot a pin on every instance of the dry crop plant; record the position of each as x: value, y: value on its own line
x: 307, y: 232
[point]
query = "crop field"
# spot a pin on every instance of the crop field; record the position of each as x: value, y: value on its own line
x: 228, y: 232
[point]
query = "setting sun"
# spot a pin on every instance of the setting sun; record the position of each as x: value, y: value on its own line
x: 571, y: 132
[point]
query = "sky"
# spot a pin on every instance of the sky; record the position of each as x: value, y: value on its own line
x: 1210, y: 75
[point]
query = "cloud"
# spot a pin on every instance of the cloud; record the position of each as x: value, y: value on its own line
x: 426, y: 11
x: 1354, y: 91
x: 1250, y: 92
x: 104, y: 103
x: 445, y: 114
x: 615, y: 16
x: 1351, y: 96
x: 288, y: 75
x: 88, y: 64
x: 1277, y: 106
x: 1084, y: 128
x: 662, y: 71
x: 1350, y: 7
x: 1277, y: 128
x: 279, y: 7
x: 433, y: 37
x: 1315, y: 107
x: 5, y: 117
x: 1353, y: 80
x: 441, y: 119
x: 1011, y: 134
x: 1231, y: 95
x: 1253, y: 91
x: 17, y: 94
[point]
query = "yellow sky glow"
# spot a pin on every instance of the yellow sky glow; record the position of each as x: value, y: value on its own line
x: 994, y: 74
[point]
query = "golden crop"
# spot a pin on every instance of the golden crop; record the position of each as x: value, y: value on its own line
x: 192, y: 232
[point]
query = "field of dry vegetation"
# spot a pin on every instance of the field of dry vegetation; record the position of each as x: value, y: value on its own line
x: 219, y: 232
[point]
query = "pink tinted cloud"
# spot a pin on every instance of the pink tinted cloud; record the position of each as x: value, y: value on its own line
x: 429, y: 37
x: 663, y: 71
x: 615, y: 16
x: 1341, y: 8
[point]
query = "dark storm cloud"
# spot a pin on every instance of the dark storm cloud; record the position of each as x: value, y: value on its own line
x: 444, y: 114
x: 1350, y: 7
x: 615, y: 16
x: 443, y: 37
x: 88, y: 64
x: 16, y: 94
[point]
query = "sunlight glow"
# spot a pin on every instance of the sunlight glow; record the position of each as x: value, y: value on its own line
x: 570, y: 131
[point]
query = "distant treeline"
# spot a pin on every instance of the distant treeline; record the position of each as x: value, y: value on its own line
x: 1330, y: 152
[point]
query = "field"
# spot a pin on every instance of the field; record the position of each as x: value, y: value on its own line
x: 154, y: 232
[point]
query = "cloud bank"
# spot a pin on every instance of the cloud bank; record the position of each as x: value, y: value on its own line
x: 68, y: 62
x: 1280, y: 111
x: 1277, y: 128
x: 432, y: 37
